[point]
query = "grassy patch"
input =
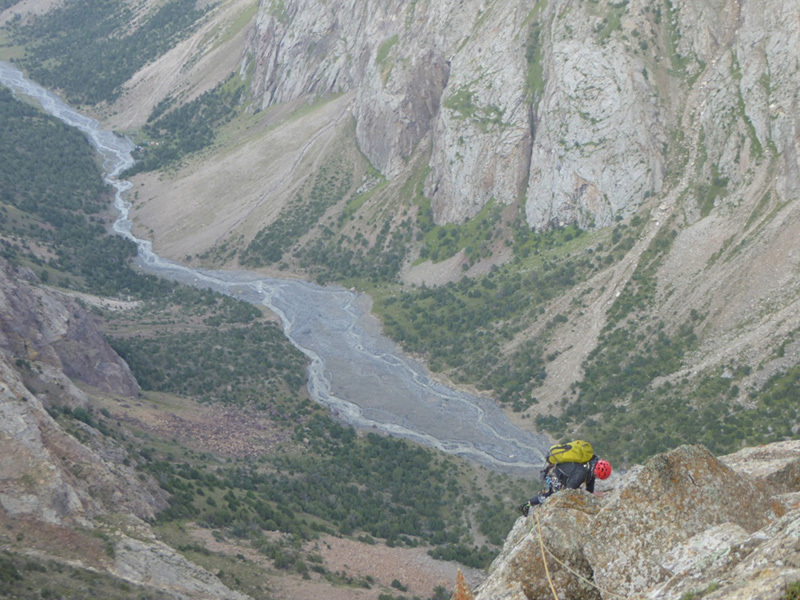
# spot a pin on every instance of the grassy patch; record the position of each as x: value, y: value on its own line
x: 384, y: 49
x: 792, y: 591
x: 534, y: 77
x: 332, y: 184
x: 245, y: 18
x: 612, y: 21
x: 708, y: 194
x: 88, y: 49
x: 463, y: 105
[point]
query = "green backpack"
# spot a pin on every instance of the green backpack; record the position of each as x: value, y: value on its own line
x: 574, y: 452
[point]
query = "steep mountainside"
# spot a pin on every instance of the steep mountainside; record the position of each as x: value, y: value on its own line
x: 617, y: 181
x: 582, y: 109
x: 71, y: 494
x: 589, y: 112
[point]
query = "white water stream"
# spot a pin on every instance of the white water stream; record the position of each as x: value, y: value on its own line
x: 363, y: 377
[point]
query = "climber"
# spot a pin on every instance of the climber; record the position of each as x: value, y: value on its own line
x: 568, y: 467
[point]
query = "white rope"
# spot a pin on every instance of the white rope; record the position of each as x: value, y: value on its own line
x: 575, y: 573
x: 544, y: 558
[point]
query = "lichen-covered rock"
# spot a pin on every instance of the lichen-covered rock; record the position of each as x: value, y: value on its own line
x: 682, y: 524
x: 675, y: 497
x: 543, y: 547
x: 740, y: 567
x: 778, y: 464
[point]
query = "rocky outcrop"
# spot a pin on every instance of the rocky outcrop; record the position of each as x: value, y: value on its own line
x: 778, y: 464
x: 154, y: 564
x: 48, y: 474
x: 685, y: 522
x: 574, y: 108
x: 55, y: 481
x: 52, y: 336
x: 45, y: 339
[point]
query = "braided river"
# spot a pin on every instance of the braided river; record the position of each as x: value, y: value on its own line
x: 360, y: 375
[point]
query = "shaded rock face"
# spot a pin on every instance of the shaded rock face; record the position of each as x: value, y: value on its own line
x: 684, y: 523
x: 51, y: 331
x: 45, y: 339
x: 46, y: 473
x: 572, y: 108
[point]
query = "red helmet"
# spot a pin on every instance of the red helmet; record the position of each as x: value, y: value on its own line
x: 602, y: 470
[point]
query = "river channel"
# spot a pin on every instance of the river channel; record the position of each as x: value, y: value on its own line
x: 363, y: 377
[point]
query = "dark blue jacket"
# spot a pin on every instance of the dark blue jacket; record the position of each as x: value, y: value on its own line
x: 573, y: 475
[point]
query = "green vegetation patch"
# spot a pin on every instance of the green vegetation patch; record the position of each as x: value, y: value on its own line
x: 332, y: 257
x: 534, y: 78
x: 792, y: 591
x: 173, y: 133
x: 331, y: 185
x: 370, y: 487
x: 46, y: 167
x: 756, y: 147
x: 464, y: 326
x: 475, y: 236
x: 235, y: 364
x: 277, y: 9
x: 632, y: 402
x: 88, y: 49
x: 29, y: 578
x: 375, y: 252
x: 612, y: 21
x: 707, y: 194
x: 681, y: 65
x: 463, y: 104
x: 52, y: 197
x: 384, y: 49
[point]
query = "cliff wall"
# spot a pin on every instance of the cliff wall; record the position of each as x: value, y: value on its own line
x: 581, y: 110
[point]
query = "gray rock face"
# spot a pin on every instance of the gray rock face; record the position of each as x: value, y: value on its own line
x: 49, y: 329
x: 676, y: 496
x: 44, y: 340
x: 46, y: 474
x: 156, y: 565
x: 682, y: 524
x: 574, y: 108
